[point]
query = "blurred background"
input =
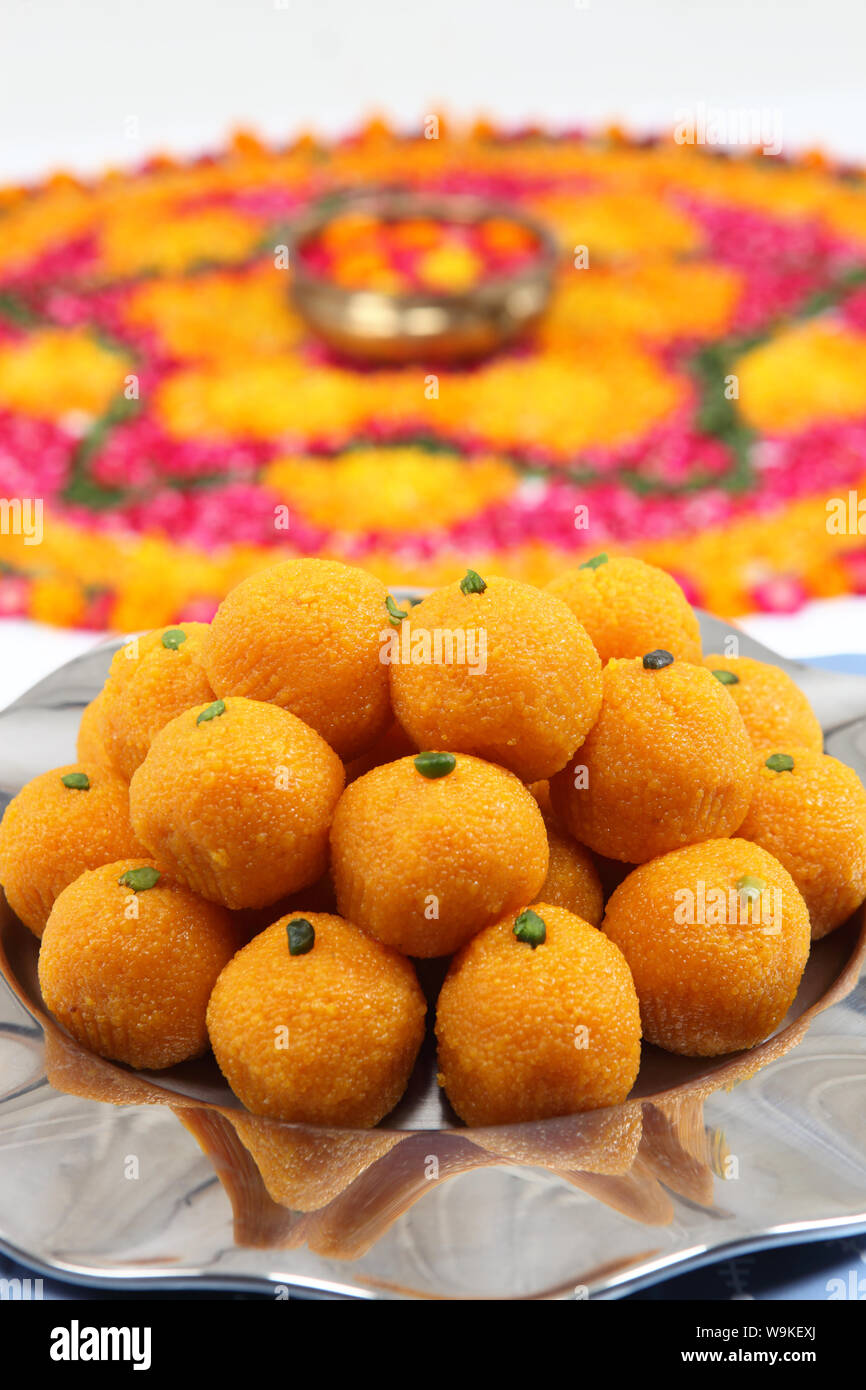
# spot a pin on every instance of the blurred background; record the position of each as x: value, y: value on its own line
x: 161, y: 399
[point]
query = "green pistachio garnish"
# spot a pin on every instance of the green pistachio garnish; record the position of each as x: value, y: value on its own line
x: 530, y: 928
x: 727, y: 677
x: 173, y: 637
x: 472, y: 583
x: 302, y: 936
x: 76, y: 781
x: 750, y: 886
x: 212, y: 712
x: 435, y: 764
x: 780, y: 762
x: 655, y: 661
x: 140, y: 879
x: 395, y: 614
x: 595, y: 561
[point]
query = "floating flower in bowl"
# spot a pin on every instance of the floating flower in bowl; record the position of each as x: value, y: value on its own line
x: 395, y: 276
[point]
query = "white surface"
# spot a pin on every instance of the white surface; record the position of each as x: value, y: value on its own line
x: 86, y: 82
x: 823, y: 628
x: 29, y: 651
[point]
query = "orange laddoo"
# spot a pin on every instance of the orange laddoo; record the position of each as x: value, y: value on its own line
x: 541, y: 792
x: 629, y: 607
x: 668, y: 762
x: 527, y: 692
x: 314, y: 1022
x: 63, y: 822
x: 775, y: 711
x: 428, y: 850
x: 536, y: 1020
x: 572, y: 879
x: 92, y: 744
x: 717, y: 937
x: 307, y: 635
x: 152, y: 679
x: 809, y: 810
x: 128, y: 961
x: 235, y: 799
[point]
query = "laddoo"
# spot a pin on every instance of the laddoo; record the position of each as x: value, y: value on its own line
x: 63, y: 822
x: 314, y: 1022
x: 716, y: 936
x: 775, y: 711
x: 152, y: 679
x: 307, y: 635
x: 427, y: 850
x: 526, y: 693
x: 667, y: 763
x: 537, y: 1017
x: 629, y: 607
x: 541, y: 792
x: 279, y: 818
x: 572, y: 879
x: 235, y: 800
x: 128, y: 961
x: 809, y: 810
x: 92, y: 741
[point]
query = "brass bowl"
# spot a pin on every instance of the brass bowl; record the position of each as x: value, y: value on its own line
x: 421, y: 326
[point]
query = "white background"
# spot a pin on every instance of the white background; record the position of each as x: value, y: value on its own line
x: 83, y: 83
x: 74, y: 71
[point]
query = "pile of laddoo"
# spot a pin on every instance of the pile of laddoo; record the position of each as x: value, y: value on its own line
x: 612, y: 835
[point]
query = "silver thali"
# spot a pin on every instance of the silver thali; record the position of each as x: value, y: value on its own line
x: 160, y: 1182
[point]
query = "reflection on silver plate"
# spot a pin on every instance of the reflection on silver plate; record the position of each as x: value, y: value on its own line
x: 686, y: 1171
